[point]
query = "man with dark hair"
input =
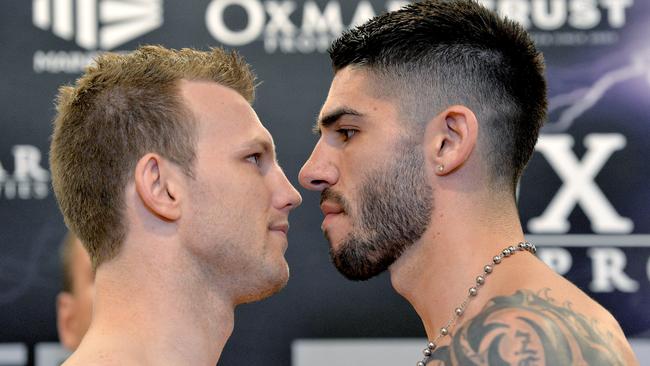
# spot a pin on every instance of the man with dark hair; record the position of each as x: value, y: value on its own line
x: 163, y: 170
x: 74, y: 304
x: 432, y: 115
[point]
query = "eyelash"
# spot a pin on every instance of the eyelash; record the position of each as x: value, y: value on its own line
x: 345, y: 131
x: 256, y: 158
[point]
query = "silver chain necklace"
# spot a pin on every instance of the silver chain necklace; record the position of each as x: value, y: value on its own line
x: 473, y: 291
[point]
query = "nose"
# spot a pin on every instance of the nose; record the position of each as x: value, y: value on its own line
x: 287, y: 197
x: 319, y: 171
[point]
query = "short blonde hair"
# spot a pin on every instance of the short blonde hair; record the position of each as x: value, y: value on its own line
x: 122, y: 107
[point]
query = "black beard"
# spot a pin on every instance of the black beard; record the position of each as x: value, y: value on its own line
x: 395, y: 210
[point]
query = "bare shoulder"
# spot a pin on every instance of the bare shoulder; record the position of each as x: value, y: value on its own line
x: 94, y: 362
x: 531, y: 328
x: 79, y: 361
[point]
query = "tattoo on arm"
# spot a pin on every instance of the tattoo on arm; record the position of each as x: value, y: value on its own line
x: 528, y: 329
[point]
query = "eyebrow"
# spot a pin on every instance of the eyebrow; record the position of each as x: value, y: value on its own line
x: 260, y: 142
x: 331, y: 118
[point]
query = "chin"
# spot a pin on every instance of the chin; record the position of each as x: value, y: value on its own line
x: 333, y: 240
x: 356, y: 262
x: 274, y: 280
x: 281, y: 279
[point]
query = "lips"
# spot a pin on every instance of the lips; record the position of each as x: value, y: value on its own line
x: 330, y: 208
x: 281, y: 227
x: 331, y: 211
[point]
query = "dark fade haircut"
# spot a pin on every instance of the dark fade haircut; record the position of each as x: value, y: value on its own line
x: 435, y: 54
x: 123, y: 107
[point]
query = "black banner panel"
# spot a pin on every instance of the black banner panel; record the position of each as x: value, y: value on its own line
x: 584, y: 200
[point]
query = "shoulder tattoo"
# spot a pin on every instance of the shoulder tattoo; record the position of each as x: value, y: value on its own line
x: 528, y: 329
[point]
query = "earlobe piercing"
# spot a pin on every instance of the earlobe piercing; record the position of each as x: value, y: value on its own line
x: 441, y: 168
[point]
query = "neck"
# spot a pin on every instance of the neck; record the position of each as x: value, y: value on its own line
x: 435, y: 274
x: 157, y: 315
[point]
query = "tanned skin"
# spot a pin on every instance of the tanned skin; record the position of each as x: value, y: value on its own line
x: 524, y: 313
x: 529, y: 329
x: 431, y: 118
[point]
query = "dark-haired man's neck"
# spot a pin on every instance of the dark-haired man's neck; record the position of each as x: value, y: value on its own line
x: 148, y: 314
x: 435, y: 274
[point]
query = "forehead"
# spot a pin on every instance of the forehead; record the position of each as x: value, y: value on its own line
x: 357, y: 90
x: 223, y: 116
x: 353, y: 84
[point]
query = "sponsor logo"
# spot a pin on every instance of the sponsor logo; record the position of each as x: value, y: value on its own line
x: 271, y: 21
x: 610, y: 229
x: 29, y: 180
x: 93, y: 25
x: 306, y: 27
x: 551, y: 15
x: 567, y: 22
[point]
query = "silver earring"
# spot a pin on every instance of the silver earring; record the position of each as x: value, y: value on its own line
x: 441, y: 168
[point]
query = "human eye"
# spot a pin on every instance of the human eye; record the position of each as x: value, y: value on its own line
x: 346, y: 133
x: 254, y: 158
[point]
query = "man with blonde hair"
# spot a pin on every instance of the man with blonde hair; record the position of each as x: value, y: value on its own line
x: 163, y: 170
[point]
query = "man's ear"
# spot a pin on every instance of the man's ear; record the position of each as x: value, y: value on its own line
x: 156, y: 182
x: 451, y: 137
x: 65, y: 320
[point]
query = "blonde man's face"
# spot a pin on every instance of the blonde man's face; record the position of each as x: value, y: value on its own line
x: 239, y: 199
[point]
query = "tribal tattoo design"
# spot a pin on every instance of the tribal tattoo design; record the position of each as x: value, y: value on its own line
x: 527, y: 329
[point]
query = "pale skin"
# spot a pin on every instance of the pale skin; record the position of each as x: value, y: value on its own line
x: 470, y: 223
x: 196, y: 247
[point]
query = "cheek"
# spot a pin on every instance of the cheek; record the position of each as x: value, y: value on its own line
x: 235, y: 204
x: 354, y: 164
x: 241, y: 184
x: 255, y: 192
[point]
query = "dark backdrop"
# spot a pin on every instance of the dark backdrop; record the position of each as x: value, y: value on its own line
x: 592, y: 220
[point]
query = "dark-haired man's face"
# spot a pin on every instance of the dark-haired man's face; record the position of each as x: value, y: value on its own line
x: 372, y: 177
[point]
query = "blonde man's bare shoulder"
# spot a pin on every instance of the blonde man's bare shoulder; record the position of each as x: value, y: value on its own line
x: 102, y: 357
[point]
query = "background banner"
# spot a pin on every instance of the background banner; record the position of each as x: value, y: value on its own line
x: 585, y: 199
